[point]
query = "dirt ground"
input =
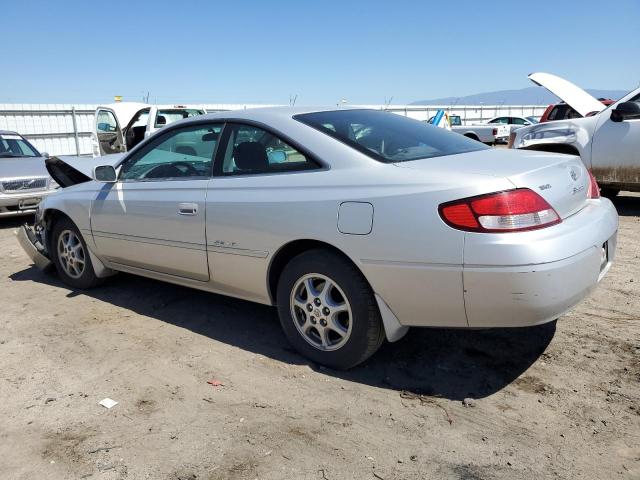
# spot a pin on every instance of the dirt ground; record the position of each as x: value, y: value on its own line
x: 556, y: 401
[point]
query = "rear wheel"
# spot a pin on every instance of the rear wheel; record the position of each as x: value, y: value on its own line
x: 328, y: 311
x: 71, y: 257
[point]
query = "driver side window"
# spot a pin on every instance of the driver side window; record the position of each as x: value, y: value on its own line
x: 182, y: 154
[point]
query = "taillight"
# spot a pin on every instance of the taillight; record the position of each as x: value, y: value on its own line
x: 594, y: 189
x: 495, y: 132
x: 509, y: 211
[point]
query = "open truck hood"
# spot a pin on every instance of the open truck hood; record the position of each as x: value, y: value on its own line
x: 574, y: 96
x: 67, y: 170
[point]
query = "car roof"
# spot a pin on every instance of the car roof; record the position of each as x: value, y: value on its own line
x: 8, y: 132
x: 267, y: 114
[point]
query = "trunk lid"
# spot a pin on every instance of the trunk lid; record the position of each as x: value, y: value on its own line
x: 572, y: 95
x: 562, y: 180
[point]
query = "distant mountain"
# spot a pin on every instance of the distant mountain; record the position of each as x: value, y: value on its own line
x: 524, y: 96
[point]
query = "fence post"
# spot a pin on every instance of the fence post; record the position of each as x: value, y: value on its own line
x: 75, y: 130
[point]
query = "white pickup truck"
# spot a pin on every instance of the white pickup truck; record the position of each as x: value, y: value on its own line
x: 121, y: 126
x: 489, y: 134
x: 608, y: 142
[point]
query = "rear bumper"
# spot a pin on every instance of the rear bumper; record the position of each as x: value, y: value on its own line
x: 534, y: 292
x: 32, y: 247
x: 507, y: 280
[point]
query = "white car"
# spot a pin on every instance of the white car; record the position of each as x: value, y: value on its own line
x: 512, y: 122
x: 121, y: 126
x: 487, y: 134
x: 608, y: 141
x: 356, y: 224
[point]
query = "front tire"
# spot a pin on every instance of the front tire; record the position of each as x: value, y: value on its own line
x: 71, y: 257
x: 328, y: 310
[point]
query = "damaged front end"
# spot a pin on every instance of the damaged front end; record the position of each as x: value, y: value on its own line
x: 32, y: 239
x: 67, y: 171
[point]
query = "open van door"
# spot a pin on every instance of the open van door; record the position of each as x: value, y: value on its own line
x: 108, y: 132
x: 121, y: 126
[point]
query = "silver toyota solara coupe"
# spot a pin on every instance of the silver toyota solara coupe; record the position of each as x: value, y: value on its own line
x: 356, y: 224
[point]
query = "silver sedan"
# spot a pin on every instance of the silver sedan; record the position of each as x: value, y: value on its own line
x: 24, y: 180
x: 356, y: 224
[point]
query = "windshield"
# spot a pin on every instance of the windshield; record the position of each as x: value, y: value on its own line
x: 388, y: 137
x: 13, y: 145
x: 532, y: 120
x: 167, y: 116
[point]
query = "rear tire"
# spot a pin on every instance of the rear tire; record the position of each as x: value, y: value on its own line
x: 328, y: 310
x: 71, y: 257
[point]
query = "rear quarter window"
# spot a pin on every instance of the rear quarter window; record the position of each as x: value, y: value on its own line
x: 388, y: 137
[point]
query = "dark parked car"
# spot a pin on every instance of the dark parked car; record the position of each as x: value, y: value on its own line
x: 562, y: 111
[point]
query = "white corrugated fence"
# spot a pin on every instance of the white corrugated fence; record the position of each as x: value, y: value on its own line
x: 65, y: 129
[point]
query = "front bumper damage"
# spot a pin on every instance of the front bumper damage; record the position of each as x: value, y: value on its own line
x: 31, y: 242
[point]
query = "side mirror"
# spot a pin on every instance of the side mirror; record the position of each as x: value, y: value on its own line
x: 625, y: 111
x: 105, y: 174
x: 44, y: 154
x: 277, y: 156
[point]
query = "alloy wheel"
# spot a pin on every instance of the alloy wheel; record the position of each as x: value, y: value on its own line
x: 71, y: 254
x: 321, y: 312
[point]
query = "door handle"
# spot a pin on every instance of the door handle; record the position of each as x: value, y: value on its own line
x: 187, y: 209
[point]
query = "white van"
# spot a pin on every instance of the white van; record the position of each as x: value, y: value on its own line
x: 121, y: 126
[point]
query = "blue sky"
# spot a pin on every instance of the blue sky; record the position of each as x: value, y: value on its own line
x: 265, y: 51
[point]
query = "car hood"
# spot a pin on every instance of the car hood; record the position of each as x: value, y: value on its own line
x: 67, y: 170
x: 574, y: 96
x: 22, y: 167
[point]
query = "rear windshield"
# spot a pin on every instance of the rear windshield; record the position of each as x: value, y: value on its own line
x: 388, y: 137
x: 12, y: 145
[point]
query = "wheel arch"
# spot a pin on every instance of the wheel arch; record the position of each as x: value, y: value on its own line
x: 290, y: 250
x: 393, y: 329
x: 49, y: 218
x: 472, y: 136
